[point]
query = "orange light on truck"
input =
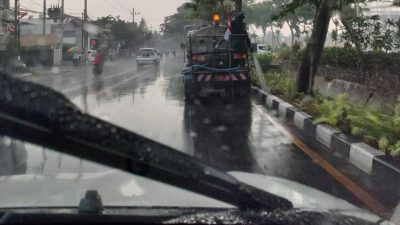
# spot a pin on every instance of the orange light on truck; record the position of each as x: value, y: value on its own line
x: 216, y: 19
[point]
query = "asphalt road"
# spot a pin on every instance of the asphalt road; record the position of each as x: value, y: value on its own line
x: 229, y: 135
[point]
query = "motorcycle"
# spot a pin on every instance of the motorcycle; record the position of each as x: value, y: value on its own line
x: 97, y: 69
x: 98, y: 64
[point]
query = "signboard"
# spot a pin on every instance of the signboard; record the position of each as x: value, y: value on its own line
x: 94, y: 43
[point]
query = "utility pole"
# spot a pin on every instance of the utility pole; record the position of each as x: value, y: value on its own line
x: 44, y: 17
x: 133, y: 14
x: 85, y: 34
x: 16, y: 28
x: 62, y: 30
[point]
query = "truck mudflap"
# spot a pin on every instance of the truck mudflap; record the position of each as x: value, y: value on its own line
x: 233, y: 80
x: 221, y: 77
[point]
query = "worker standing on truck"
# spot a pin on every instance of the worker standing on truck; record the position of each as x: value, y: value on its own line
x: 240, y: 41
x: 238, y: 27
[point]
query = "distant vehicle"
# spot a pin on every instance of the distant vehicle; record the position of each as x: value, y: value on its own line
x: 160, y: 52
x: 213, y: 66
x: 263, y: 49
x: 91, y: 56
x: 77, y: 59
x: 98, y: 63
x: 147, y: 56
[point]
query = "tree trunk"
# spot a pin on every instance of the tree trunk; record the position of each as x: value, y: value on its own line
x: 273, y: 37
x: 347, y: 24
x: 311, y: 57
x: 264, y: 34
x: 291, y: 32
x: 277, y: 39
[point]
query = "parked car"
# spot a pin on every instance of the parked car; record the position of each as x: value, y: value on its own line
x: 147, y: 56
x: 264, y: 49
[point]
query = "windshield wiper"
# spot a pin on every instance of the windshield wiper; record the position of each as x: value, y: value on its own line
x: 34, y: 113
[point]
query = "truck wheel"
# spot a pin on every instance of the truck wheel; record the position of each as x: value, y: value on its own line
x: 190, y: 94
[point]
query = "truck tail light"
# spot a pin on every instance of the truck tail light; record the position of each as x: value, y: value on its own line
x: 240, y: 56
x: 198, y: 58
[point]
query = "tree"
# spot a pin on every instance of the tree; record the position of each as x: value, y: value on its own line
x: 310, y: 60
x: 128, y: 34
x: 173, y: 25
x: 143, y: 25
x: 260, y: 14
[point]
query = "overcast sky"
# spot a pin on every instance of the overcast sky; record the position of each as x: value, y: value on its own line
x: 153, y: 11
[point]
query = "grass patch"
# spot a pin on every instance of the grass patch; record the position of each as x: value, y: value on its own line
x: 372, y: 125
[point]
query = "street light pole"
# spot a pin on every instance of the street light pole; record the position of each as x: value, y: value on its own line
x: 62, y: 31
x: 44, y: 17
x: 16, y: 29
x: 85, y: 34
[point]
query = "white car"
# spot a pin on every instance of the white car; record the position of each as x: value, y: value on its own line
x: 147, y: 56
x: 264, y: 49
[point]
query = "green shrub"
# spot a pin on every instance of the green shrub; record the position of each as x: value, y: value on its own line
x: 265, y: 59
x: 343, y: 57
x: 380, y: 130
x: 333, y: 112
x: 285, y: 54
x: 290, y: 89
x: 348, y: 57
x: 282, y: 83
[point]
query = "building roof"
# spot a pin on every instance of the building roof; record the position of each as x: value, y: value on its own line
x: 39, y: 40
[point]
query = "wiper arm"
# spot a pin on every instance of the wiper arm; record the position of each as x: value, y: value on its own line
x: 45, y: 117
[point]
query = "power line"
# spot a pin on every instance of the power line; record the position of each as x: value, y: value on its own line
x: 36, y: 3
x: 123, y: 6
x: 110, y: 4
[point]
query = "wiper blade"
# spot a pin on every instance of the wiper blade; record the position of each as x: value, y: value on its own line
x: 34, y: 113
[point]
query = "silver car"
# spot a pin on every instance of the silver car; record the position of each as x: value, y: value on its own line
x: 147, y: 56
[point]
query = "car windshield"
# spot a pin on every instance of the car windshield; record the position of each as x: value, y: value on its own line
x: 146, y: 52
x: 264, y: 47
x: 297, y: 99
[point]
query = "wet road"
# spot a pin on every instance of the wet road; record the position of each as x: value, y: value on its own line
x: 231, y: 136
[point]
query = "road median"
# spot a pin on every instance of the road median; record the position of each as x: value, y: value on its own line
x: 366, y: 158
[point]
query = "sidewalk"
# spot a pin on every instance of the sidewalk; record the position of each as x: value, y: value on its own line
x: 53, y: 70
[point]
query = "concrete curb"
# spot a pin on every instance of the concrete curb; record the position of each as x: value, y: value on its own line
x: 368, y: 159
x: 22, y: 75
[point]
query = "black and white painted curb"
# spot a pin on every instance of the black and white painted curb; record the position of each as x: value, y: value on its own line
x: 368, y: 159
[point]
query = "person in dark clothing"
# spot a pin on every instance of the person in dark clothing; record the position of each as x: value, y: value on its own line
x: 238, y: 27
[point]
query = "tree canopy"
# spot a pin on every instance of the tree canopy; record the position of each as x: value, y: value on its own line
x: 129, y: 34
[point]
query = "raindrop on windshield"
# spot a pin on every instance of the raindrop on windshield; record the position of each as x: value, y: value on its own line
x: 221, y: 128
x: 193, y: 134
x: 206, y: 121
x: 225, y: 148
